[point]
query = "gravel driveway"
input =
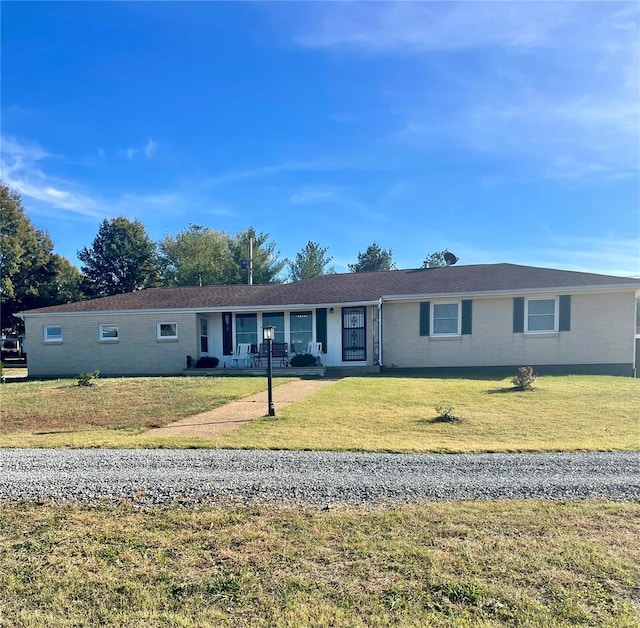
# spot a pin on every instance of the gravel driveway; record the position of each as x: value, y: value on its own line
x: 191, y: 477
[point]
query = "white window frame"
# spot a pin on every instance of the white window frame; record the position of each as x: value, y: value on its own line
x: 108, y: 326
x: 432, y: 320
x: 556, y: 315
x: 159, y: 335
x: 52, y: 339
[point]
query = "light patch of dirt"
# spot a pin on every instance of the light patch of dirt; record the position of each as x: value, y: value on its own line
x: 236, y: 413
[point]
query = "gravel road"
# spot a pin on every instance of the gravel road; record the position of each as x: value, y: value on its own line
x: 192, y: 477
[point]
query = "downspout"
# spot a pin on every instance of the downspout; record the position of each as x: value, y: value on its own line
x: 380, y: 331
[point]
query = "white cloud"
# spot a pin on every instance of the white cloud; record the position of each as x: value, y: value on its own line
x: 610, y: 254
x: 568, y: 105
x: 20, y: 165
x: 314, y: 194
x: 148, y: 150
x: 427, y: 26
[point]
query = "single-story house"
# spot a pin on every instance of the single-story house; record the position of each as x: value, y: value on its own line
x: 485, y: 315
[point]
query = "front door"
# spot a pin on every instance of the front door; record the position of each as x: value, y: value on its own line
x: 354, y: 334
x: 204, y: 336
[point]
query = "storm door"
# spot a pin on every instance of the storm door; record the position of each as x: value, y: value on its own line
x: 354, y: 334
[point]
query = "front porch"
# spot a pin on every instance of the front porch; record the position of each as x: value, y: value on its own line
x: 332, y: 372
x: 258, y: 371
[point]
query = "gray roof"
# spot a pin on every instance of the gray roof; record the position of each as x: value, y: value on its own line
x: 353, y: 288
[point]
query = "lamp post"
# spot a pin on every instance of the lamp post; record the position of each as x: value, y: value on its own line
x: 268, y: 334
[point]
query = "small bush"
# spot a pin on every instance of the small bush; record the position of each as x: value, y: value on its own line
x: 86, y: 379
x: 207, y: 362
x: 303, y: 359
x: 524, y: 379
x: 446, y: 415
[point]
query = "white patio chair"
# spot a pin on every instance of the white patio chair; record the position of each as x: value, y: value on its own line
x: 315, y: 349
x: 241, y: 354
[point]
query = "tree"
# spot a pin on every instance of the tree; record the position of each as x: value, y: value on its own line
x: 121, y: 259
x: 374, y: 258
x: 267, y: 264
x: 202, y: 256
x: 312, y: 261
x: 31, y: 274
x: 196, y: 256
x: 435, y: 259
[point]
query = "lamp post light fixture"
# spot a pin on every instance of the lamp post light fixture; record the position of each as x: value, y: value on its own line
x: 268, y: 334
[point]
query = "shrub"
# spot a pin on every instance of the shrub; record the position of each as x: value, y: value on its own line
x: 303, y: 359
x: 446, y: 415
x: 207, y: 362
x: 86, y: 379
x: 524, y: 379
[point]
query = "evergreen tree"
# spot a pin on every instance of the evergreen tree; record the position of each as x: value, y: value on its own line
x: 312, y: 261
x: 374, y: 258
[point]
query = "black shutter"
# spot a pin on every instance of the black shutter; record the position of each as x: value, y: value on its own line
x: 518, y: 315
x: 321, y: 327
x: 425, y: 307
x: 564, y: 323
x: 227, y: 333
x: 467, y: 309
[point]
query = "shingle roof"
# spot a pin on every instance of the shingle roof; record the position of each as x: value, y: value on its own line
x: 351, y: 288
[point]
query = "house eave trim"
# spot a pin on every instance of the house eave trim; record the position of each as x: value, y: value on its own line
x: 200, y: 310
x: 510, y: 293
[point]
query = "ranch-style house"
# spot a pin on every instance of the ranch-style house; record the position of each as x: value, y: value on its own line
x: 465, y: 316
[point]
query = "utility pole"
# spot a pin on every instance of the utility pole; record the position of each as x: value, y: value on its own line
x: 250, y: 273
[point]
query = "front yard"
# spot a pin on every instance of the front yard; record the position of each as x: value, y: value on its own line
x: 396, y: 414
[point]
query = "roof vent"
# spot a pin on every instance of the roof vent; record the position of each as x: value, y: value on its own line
x: 450, y: 258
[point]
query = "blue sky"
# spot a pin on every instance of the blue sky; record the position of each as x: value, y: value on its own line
x: 503, y: 131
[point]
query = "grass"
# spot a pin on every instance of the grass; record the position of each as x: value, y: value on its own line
x: 468, y: 564
x: 399, y: 414
x: 112, y: 410
x: 395, y: 414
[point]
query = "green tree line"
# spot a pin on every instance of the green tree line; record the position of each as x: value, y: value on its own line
x: 123, y: 258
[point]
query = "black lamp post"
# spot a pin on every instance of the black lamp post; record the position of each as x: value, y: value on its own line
x: 268, y: 334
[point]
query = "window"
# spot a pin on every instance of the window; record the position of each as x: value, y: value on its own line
x: 301, y: 331
x: 275, y: 319
x: 247, y: 329
x: 52, y: 333
x: 541, y: 315
x: 167, y: 331
x: 108, y: 333
x: 446, y: 319
x: 637, y: 317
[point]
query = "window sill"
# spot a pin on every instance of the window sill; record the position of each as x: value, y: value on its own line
x: 105, y: 341
x: 166, y: 340
x: 438, y: 338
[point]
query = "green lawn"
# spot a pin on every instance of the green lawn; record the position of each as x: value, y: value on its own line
x: 365, y: 414
x: 397, y: 414
x: 527, y: 564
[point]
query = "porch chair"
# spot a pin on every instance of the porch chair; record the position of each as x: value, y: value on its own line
x: 315, y: 349
x: 241, y: 354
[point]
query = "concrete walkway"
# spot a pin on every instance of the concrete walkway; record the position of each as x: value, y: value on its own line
x: 236, y: 413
